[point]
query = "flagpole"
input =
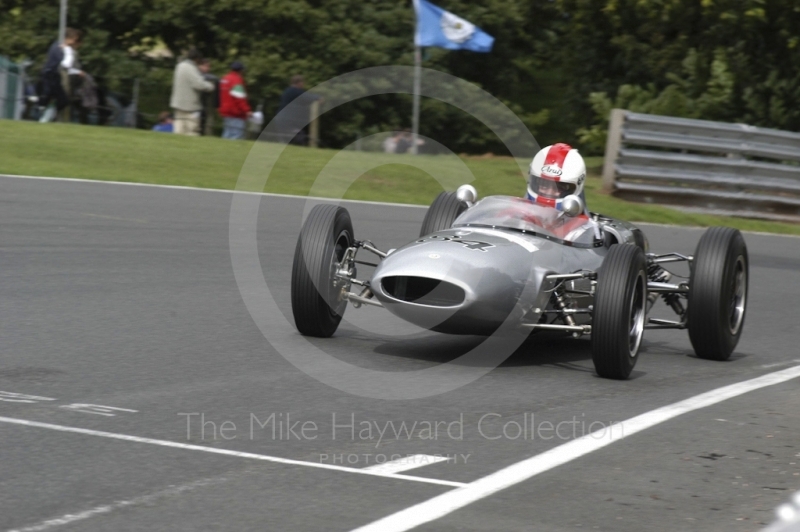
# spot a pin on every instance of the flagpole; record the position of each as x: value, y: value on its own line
x: 417, y: 85
x: 62, y: 21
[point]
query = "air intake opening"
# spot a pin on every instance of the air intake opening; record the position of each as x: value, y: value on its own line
x: 423, y: 291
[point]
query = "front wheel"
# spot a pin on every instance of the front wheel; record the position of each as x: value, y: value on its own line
x: 442, y: 213
x: 317, y: 303
x: 718, y: 293
x: 619, y: 311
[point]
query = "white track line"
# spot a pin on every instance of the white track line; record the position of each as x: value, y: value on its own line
x: 407, y: 462
x: 178, y: 187
x: 700, y: 227
x: 226, y: 452
x: 784, y: 363
x: 315, y: 198
x: 107, y: 508
x: 446, y: 503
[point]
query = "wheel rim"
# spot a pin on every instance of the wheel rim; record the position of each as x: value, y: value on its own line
x: 335, y: 305
x: 738, y: 297
x: 637, y: 312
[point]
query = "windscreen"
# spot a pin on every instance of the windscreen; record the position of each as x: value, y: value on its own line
x: 507, y: 212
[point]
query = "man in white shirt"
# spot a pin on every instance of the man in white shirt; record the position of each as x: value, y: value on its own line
x: 61, y: 56
x: 187, y: 85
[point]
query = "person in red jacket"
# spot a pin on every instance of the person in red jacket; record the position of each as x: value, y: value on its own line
x: 233, y: 106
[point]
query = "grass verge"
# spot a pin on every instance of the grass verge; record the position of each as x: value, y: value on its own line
x: 114, y: 154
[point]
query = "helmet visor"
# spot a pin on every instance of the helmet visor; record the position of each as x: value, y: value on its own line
x: 551, y: 188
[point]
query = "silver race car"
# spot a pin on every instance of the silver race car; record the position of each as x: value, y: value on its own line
x: 479, y: 267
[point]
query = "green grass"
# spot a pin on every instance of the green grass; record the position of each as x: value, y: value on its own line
x: 113, y: 154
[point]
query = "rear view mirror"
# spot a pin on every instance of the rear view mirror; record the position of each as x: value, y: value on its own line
x: 467, y: 194
x: 572, y: 205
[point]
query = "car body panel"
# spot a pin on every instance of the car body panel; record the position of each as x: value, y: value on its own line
x: 500, y: 271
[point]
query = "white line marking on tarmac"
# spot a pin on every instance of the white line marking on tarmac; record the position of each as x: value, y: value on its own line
x: 117, y: 218
x: 96, y: 409
x: 226, y: 452
x: 704, y: 228
x: 785, y: 363
x: 316, y: 198
x: 107, y: 508
x: 407, y: 462
x: 451, y: 501
x: 178, y: 187
x: 12, y: 397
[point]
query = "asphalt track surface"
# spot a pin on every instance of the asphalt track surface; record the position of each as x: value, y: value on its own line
x: 124, y: 297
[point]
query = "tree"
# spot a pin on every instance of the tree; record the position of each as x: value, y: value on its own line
x: 730, y: 60
x: 278, y: 38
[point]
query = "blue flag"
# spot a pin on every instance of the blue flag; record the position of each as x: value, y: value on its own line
x: 440, y: 28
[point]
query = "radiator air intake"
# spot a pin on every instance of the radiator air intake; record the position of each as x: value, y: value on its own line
x: 423, y: 291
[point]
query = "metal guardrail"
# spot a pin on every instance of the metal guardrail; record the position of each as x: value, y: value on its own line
x: 703, y: 166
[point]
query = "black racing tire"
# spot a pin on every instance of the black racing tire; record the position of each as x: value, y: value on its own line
x: 316, y: 303
x: 620, y: 305
x: 442, y: 213
x: 718, y: 293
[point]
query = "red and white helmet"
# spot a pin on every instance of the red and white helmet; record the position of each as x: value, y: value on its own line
x: 555, y: 172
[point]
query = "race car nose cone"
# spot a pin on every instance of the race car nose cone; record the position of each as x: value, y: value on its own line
x: 456, y: 282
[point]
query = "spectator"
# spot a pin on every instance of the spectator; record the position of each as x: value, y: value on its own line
x: 406, y: 141
x: 291, y: 124
x: 85, y: 96
x: 187, y: 85
x: 60, y: 56
x: 164, y: 123
x: 209, y: 101
x: 390, y: 144
x: 233, y: 106
x: 256, y: 122
x: 73, y: 80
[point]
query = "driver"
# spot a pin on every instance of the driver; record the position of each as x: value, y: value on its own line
x: 556, y: 172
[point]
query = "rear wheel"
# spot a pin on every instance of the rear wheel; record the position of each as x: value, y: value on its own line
x: 317, y: 304
x: 442, y: 213
x: 718, y: 293
x: 619, y: 311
